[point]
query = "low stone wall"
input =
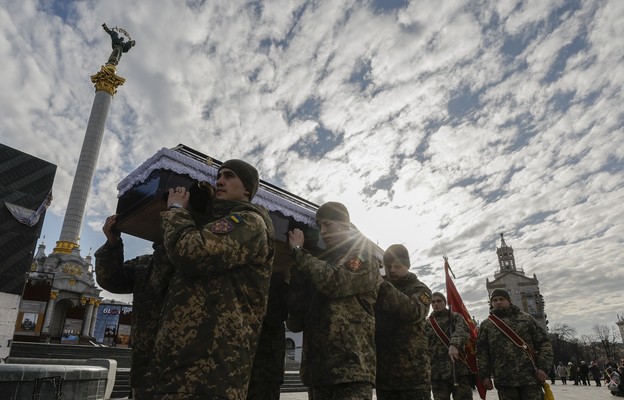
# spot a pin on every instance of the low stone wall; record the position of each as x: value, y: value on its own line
x: 110, y: 365
x: 24, y: 381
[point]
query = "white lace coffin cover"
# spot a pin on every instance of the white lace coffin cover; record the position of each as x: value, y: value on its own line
x: 179, y: 163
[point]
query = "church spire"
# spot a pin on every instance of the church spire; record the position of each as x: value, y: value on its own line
x: 506, y: 258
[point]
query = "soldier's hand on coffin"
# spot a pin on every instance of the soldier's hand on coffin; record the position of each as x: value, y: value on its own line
x: 295, y: 238
x: 112, y: 235
x: 178, y: 197
x: 201, y: 196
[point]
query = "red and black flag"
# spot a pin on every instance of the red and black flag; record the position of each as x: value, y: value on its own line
x: 456, y: 304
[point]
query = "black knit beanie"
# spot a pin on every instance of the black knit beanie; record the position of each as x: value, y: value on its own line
x: 397, y: 252
x: 500, y: 292
x: 333, y: 211
x: 246, y: 173
x: 438, y: 294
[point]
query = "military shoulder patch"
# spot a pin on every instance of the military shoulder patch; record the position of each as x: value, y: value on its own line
x: 425, y: 298
x: 227, y: 224
x: 236, y: 218
x: 354, y: 263
x: 222, y: 226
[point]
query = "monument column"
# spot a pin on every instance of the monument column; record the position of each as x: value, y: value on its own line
x: 65, y: 263
x: 49, y: 314
x: 96, y: 306
x: 106, y: 83
x: 86, y: 323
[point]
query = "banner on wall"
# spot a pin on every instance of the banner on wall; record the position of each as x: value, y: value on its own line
x: 112, y: 325
x: 71, y: 331
x: 30, y: 318
x: 123, y: 336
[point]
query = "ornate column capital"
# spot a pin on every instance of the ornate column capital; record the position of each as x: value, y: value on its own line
x: 53, y: 295
x: 107, y: 79
x: 64, y: 247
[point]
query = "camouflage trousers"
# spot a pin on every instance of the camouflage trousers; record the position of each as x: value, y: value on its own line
x: 342, y: 391
x: 138, y: 394
x: 528, y: 392
x: 403, y: 395
x: 184, y: 396
x: 443, y: 389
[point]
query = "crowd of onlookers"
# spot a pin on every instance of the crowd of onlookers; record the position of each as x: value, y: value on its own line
x: 583, y: 374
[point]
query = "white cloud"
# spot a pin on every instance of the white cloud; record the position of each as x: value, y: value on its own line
x: 468, y: 123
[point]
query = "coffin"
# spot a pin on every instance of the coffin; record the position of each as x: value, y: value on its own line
x: 143, y: 194
x: 138, y: 210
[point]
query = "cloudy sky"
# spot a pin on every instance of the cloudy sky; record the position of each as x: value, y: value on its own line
x: 439, y: 124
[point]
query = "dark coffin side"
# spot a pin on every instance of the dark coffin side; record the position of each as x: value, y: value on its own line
x: 138, y: 210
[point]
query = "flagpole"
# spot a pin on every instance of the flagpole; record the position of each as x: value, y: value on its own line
x: 455, y: 383
x: 455, y: 300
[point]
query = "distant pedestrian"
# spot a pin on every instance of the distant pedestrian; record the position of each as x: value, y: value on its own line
x: 584, y: 373
x: 614, y: 382
x: 562, y: 373
x: 620, y: 392
x: 595, y: 372
x: 573, y: 373
x: 552, y: 374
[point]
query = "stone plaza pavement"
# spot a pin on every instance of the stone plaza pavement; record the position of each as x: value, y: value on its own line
x: 561, y: 392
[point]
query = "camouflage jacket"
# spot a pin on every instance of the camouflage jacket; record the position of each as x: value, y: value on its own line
x: 268, y: 364
x: 499, y: 357
x: 402, y: 359
x: 441, y: 364
x: 297, y: 300
x: 339, y: 320
x: 216, y: 301
x: 147, y: 278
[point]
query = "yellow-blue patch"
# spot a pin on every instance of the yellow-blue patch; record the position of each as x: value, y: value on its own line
x: 225, y: 225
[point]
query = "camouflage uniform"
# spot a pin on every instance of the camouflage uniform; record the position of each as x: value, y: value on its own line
x: 403, y: 369
x: 339, y: 322
x: 147, y: 278
x: 498, y: 356
x: 216, y: 301
x: 298, y: 300
x: 267, y: 372
x: 441, y: 365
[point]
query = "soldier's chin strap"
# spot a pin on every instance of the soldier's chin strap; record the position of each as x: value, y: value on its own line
x: 513, y: 336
